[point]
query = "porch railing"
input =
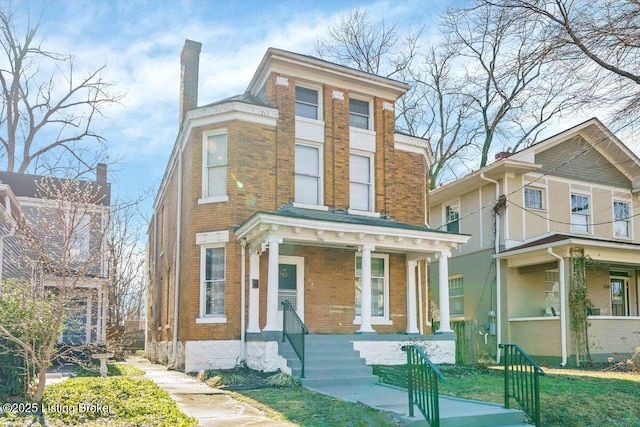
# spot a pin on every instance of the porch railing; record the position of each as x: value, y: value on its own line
x: 294, y: 330
x: 521, y: 381
x: 423, y: 377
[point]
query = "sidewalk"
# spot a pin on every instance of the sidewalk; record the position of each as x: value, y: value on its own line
x: 211, y: 407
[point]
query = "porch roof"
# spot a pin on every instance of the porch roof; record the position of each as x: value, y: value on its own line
x: 335, y: 228
x: 537, y: 251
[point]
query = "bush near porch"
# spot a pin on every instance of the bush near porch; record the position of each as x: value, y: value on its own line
x: 568, y: 397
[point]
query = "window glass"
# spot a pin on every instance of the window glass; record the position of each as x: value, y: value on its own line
x: 216, y: 161
x: 306, y: 102
x: 452, y: 218
x: 580, y: 213
x: 307, y: 175
x: 456, y: 296
x: 621, y: 219
x: 358, y: 113
x: 214, y: 281
x: 533, y: 198
x: 360, y: 182
x: 378, y: 286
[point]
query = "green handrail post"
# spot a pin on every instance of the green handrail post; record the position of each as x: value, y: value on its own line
x: 422, y: 379
x: 295, y: 336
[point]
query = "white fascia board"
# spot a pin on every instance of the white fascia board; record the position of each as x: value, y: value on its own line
x: 412, y: 144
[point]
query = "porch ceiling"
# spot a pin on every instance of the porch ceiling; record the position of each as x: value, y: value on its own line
x: 536, y: 252
x: 342, y: 230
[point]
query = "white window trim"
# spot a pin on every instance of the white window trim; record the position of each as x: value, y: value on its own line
x: 321, y: 206
x: 317, y: 88
x: 205, y: 178
x: 629, y: 221
x: 543, y: 197
x: 444, y: 214
x: 202, y: 317
x: 590, y: 225
x: 372, y: 188
x: 369, y: 100
x: 377, y: 320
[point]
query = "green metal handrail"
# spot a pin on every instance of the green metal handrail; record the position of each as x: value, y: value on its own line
x: 521, y: 381
x: 294, y: 330
x: 423, y: 379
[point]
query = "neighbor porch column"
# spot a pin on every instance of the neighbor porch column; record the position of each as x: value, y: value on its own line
x: 445, y: 325
x: 254, y: 293
x: 272, y: 286
x: 412, y: 322
x: 365, y: 301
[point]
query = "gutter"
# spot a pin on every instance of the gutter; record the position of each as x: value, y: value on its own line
x: 563, y: 311
x: 496, y: 245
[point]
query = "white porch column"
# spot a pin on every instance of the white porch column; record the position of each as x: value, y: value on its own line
x: 365, y: 301
x: 445, y: 325
x: 412, y: 323
x: 272, y: 286
x: 254, y: 294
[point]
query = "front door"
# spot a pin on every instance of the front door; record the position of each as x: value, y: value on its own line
x: 619, y: 297
x: 291, y: 284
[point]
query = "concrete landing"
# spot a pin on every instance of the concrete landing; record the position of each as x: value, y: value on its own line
x: 453, y: 412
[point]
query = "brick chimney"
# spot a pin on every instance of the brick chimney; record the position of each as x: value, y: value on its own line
x: 101, y: 173
x: 189, y: 64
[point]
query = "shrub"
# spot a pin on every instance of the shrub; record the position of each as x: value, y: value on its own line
x: 283, y: 380
x: 113, y: 370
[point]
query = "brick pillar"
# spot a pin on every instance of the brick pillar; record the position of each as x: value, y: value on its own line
x: 384, y: 125
x: 336, y: 147
x: 189, y: 65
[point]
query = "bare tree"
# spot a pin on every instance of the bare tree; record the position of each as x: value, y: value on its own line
x: 46, y: 118
x: 126, y: 268
x: 62, y: 241
x: 604, y: 33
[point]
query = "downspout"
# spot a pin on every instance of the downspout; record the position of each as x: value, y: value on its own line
x: 563, y: 311
x: 176, y: 282
x: 496, y: 245
x: 243, y: 286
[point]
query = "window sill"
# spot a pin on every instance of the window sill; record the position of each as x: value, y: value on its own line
x: 362, y: 130
x: 314, y: 207
x: 303, y: 119
x: 364, y: 213
x: 623, y: 238
x: 217, y: 319
x: 380, y: 321
x: 217, y: 199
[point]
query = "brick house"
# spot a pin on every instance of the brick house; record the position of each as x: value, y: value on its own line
x: 298, y: 189
x: 25, y: 204
x: 572, y: 195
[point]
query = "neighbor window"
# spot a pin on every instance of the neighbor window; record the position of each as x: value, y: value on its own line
x: 308, y: 174
x: 456, y: 296
x: 361, y: 182
x: 580, y: 213
x: 215, y: 173
x: 78, y: 232
x: 306, y: 103
x: 379, y: 286
x: 551, y: 293
x: 452, y: 217
x: 213, y: 280
x: 533, y: 198
x: 621, y: 219
x: 358, y: 113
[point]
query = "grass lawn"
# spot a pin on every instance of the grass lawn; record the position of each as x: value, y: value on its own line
x: 567, y: 397
x: 122, y: 399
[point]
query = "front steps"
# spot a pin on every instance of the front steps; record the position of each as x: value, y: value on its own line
x: 330, y: 360
x: 334, y: 368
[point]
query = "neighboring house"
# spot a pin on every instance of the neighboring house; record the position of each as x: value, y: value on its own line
x: 572, y: 194
x: 23, y: 204
x: 297, y: 189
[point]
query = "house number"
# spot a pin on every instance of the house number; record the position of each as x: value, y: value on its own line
x: 320, y: 239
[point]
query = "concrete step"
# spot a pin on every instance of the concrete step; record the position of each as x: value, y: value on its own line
x: 330, y: 382
x: 329, y: 372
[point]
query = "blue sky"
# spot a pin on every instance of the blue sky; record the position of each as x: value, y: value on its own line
x: 140, y: 43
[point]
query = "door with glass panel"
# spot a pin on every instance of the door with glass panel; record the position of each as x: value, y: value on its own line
x: 619, y: 297
x: 291, y: 285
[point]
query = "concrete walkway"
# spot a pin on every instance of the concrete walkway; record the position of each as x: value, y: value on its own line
x: 211, y: 407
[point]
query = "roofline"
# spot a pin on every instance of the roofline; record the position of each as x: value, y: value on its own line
x: 322, y: 65
x: 570, y: 240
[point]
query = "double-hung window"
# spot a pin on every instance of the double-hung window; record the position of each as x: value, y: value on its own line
x: 359, y: 113
x: 308, y: 174
x: 77, y: 233
x: 580, y: 213
x: 215, y: 170
x: 533, y: 198
x: 456, y: 295
x: 361, y: 182
x: 452, y: 217
x: 213, y: 281
x: 621, y: 215
x: 307, y: 103
x: 379, y: 287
